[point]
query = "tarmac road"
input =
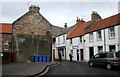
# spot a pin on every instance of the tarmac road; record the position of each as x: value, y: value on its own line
x: 80, y: 68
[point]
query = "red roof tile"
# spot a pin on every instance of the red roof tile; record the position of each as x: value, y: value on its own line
x: 105, y: 23
x: 5, y: 28
x: 79, y: 31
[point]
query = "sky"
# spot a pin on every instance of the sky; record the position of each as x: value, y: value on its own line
x: 58, y: 12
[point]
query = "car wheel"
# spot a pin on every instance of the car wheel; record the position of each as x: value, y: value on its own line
x: 91, y: 64
x: 109, y: 66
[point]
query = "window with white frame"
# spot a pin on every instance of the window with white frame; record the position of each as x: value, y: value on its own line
x: 100, y: 48
x: 6, y: 46
x: 91, y: 37
x: 112, y: 32
x: 80, y: 39
x: 99, y: 35
x: 58, y: 39
x: 63, y: 39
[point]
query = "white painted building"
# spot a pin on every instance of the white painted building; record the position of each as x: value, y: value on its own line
x: 105, y: 40
x: 100, y: 36
x: 75, y: 42
x: 60, y: 44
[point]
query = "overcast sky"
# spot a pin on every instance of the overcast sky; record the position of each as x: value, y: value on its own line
x: 58, y: 13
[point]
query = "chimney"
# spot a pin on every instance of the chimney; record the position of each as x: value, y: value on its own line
x: 65, y: 26
x: 95, y: 16
x: 79, y: 21
x: 34, y: 8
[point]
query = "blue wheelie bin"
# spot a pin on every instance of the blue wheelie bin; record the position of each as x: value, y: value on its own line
x: 48, y: 58
x: 36, y: 58
x: 40, y: 58
x: 44, y: 59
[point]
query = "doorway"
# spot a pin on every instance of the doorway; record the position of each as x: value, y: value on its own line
x: 81, y: 54
x: 91, y: 52
x: 78, y: 55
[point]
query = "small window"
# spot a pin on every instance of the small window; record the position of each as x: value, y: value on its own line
x: 112, y: 33
x: 99, y: 35
x: 54, y: 39
x: 70, y: 41
x: 63, y: 39
x: 100, y: 49
x: 58, y: 40
x: 6, y: 45
x: 80, y: 38
x: 91, y: 38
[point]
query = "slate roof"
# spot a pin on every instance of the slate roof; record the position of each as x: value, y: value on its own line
x: 65, y: 31
x: 56, y: 30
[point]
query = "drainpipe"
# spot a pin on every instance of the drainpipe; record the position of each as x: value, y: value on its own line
x: 104, y: 41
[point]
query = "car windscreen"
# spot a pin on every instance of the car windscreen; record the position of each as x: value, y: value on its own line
x: 117, y: 54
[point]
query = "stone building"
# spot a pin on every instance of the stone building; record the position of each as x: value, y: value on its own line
x: 32, y: 35
x: 6, y: 54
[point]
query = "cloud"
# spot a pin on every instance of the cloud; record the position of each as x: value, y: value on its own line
x: 60, y: 0
x: 59, y: 13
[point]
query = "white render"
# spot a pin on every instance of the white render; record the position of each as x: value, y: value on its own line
x: 76, y: 45
x: 60, y: 43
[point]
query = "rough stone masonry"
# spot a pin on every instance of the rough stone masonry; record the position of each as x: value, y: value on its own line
x: 31, y: 35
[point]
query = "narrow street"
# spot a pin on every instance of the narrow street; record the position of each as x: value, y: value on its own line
x: 80, y: 68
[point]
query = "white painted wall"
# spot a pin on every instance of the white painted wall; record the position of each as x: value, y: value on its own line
x: 119, y: 37
x: 68, y: 48
x: 112, y: 41
x: 60, y: 43
x: 96, y: 43
x: 85, y: 45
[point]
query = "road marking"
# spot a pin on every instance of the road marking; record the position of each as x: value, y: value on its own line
x: 47, y: 69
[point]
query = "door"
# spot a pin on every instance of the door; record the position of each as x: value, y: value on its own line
x: 91, y: 52
x: 53, y: 54
x: 81, y: 54
x: 78, y: 55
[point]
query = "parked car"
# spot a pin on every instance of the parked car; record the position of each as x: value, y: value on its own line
x: 108, y: 59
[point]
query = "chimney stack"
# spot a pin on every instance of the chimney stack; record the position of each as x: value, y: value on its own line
x: 95, y: 16
x: 34, y: 8
x: 79, y: 21
x: 65, y: 26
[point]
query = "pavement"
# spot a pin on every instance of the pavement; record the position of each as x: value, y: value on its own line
x: 25, y: 69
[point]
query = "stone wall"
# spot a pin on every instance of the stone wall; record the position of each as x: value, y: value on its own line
x: 31, y: 35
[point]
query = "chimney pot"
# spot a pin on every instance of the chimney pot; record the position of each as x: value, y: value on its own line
x: 65, y: 26
x: 34, y: 8
x: 79, y: 20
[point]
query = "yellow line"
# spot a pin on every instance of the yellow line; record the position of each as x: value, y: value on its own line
x: 47, y: 69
